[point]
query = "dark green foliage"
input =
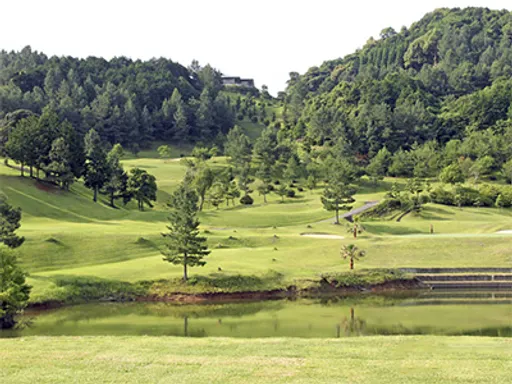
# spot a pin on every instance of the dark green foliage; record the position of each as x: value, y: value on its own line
x: 338, y: 196
x: 117, y: 183
x: 96, y: 167
x: 125, y: 101
x: 446, y: 77
x: 141, y: 186
x: 246, y: 200
x: 14, y: 292
x: 485, y: 195
x: 9, y: 222
x: 60, y: 160
x: 184, y: 245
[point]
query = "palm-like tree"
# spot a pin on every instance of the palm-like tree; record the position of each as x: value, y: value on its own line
x: 356, y: 228
x: 352, y: 252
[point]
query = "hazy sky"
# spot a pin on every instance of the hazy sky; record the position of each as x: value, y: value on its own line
x: 264, y: 39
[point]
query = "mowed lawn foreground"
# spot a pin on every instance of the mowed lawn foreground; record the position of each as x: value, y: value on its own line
x: 392, y: 359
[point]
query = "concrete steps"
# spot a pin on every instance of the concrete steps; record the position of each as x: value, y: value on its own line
x: 497, y: 286
x: 465, y: 279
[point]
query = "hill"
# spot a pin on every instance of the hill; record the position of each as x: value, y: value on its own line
x: 446, y: 77
x: 131, y: 102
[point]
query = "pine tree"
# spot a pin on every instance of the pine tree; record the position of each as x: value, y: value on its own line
x: 9, y: 222
x: 116, y: 185
x: 14, y: 292
x: 181, y: 127
x: 59, y: 167
x: 337, y: 196
x: 96, y: 169
x: 184, y: 245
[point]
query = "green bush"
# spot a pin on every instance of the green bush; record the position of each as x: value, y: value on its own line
x: 290, y: 193
x: 246, y: 200
x: 484, y: 196
x: 77, y: 289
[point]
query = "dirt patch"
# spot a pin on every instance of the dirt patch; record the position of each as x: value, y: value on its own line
x: 220, y: 297
x: 323, y: 236
x: 47, y: 187
x: 505, y: 232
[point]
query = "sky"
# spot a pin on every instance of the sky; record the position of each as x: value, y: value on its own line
x: 264, y: 40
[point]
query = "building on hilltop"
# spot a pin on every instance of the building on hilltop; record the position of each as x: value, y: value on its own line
x: 237, y: 81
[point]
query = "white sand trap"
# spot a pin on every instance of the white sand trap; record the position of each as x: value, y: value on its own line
x: 322, y: 236
x: 506, y: 232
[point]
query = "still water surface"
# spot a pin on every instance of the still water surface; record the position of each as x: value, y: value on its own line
x: 483, y: 314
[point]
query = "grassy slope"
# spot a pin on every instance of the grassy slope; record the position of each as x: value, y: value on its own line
x: 180, y: 360
x: 67, y: 234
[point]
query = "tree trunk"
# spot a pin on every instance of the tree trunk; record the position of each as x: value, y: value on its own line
x: 112, y: 200
x: 337, y: 215
x: 6, y: 162
x: 95, y: 196
x: 355, y: 231
x: 22, y: 170
x: 265, y: 198
x: 201, y: 203
x: 185, y: 275
x: 37, y: 173
x: 31, y: 171
x: 351, y: 263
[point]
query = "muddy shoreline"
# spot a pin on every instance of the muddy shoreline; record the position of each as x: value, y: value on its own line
x: 291, y: 292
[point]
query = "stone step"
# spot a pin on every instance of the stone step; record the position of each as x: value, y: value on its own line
x: 490, y: 277
x: 471, y: 285
x: 415, y: 303
x: 465, y: 294
x: 456, y: 270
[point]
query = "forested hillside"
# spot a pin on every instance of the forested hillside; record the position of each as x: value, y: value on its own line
x: 447, y: 77
x: 125, y: 101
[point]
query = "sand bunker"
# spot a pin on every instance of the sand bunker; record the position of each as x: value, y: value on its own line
x: 322, y: 236
x: 506, y: 232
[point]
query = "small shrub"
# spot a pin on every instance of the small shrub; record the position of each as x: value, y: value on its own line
x: 290, y: 193
x: 246, y: 200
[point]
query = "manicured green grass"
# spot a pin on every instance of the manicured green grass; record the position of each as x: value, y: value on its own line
x: 67, y: 234
x: 418, y: 359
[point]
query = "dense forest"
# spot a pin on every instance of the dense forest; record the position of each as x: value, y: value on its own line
x: 445, y: 81
x: 127, y: 102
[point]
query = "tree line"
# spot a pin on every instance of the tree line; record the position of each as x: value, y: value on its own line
x: 128, y: 102
x: 53, y: 151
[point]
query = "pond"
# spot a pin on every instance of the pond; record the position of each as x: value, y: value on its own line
x: 486, y: 314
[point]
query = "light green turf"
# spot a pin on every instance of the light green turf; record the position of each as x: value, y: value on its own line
x: 68, y: 234
x: 382, y: 360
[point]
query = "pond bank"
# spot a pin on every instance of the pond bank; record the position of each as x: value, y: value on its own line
x: 79, y: 290
x: 290, y: 292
